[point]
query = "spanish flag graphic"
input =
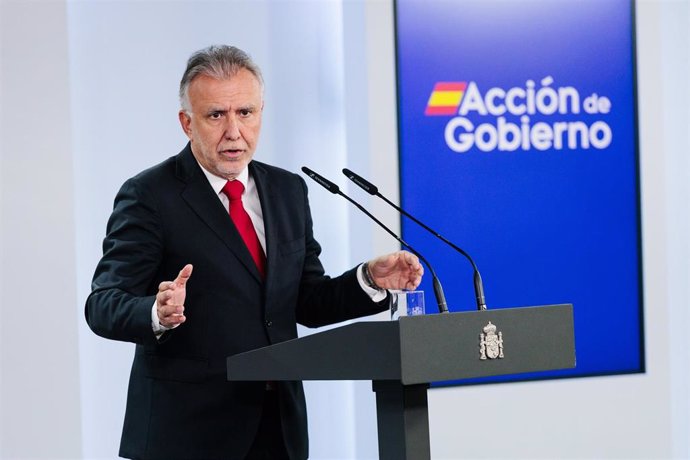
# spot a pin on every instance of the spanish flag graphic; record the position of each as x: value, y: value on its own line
x: 445, y: 98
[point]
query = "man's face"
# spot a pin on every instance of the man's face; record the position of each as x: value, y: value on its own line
x: 224, y: 122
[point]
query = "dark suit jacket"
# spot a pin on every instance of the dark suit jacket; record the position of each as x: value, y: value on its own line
x: 179, y: 404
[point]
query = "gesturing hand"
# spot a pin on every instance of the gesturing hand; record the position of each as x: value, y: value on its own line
x: 170, y: 299
x: 399, y: 270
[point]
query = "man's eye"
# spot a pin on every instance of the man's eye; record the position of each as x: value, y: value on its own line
x: 216, y: 115
x: 245, y: 112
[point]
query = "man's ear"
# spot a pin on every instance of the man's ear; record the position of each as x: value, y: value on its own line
x: 186, y: 123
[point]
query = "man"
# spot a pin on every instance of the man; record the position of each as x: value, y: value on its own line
x: 209, y: 254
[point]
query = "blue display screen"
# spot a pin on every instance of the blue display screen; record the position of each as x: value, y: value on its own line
x: 518, y: 142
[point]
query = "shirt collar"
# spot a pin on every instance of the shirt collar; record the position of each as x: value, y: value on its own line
x: 217, y: 183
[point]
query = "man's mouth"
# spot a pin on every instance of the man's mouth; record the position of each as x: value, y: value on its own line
x: 232, y: 152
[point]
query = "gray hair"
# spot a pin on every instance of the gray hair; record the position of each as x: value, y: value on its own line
x: 217, y: 61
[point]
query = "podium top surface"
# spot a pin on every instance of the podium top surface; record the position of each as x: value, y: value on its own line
x: 421, y: 349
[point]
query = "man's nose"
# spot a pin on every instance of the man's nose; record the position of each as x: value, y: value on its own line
x: 232, y: 129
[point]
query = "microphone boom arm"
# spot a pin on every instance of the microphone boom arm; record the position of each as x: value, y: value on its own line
x: 373, y: 190
x: 333, y: 188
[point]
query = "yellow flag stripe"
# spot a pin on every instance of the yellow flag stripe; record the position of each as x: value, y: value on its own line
x: 445, y: 98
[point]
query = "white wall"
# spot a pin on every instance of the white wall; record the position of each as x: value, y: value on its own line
x: 88, y: 98
x: 39, y: 385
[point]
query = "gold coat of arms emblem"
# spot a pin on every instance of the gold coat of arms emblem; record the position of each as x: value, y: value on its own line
x: 490, y: 343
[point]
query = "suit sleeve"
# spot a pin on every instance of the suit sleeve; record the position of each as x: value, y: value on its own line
x: 119, y: 306
x: 324, y: 300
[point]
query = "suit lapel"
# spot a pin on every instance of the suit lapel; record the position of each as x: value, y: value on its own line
x: 268, y: 200
x: 199, y: 195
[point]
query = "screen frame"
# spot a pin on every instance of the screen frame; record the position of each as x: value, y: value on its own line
x: 549, y: 375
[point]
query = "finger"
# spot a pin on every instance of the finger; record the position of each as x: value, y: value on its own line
x: 412, y: 281
x: 163, y: 298
x: 411, y: 259
x: 165, y: 285
x: 167, y: 297
x: 169, y: 311
x: 381, y: 265
x: 184, y: 275
x: 173, y: 321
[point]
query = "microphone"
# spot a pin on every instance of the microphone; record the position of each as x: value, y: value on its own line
x: 333, y: 188
x: 373, y: 190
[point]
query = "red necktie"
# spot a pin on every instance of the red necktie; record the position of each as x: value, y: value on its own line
x: 233, y: 189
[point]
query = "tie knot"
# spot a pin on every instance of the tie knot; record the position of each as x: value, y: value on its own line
x: 233, y: 189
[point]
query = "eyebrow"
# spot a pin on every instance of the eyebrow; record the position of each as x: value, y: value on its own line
x: 249, y: 107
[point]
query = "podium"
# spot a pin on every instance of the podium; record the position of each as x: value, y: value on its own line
x: 402, y: 357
